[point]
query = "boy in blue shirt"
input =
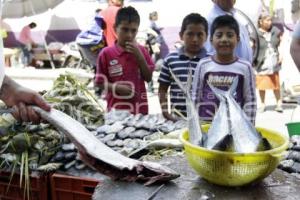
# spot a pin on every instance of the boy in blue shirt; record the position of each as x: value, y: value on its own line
x: 193, y: 33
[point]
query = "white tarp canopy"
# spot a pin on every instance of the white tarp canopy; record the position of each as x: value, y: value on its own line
x: 21, y: 8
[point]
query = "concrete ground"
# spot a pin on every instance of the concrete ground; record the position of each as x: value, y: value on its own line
x: 42, y: 79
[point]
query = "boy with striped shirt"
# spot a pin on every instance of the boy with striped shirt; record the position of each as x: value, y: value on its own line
x: 193, y: 33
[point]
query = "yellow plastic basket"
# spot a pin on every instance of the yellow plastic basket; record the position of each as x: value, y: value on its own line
x: 235, y: 169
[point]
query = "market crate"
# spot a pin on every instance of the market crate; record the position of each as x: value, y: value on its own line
x: 38, y: 186
x: 65, y: 187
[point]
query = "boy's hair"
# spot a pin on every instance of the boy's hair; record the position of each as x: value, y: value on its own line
x: 225, y: 21
x: 128, y: 14
x: 193, y: 18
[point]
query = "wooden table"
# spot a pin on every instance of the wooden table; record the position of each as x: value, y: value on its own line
x: 189, y: 186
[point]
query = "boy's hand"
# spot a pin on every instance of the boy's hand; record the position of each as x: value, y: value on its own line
x: 168, y: 116
x: 132, y: 47
x: 125, y: 91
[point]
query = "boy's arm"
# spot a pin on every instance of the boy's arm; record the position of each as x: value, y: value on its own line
x: 117, y: 89
x: 145, y: 63
x: 250, y: 105
x: 163, y: 100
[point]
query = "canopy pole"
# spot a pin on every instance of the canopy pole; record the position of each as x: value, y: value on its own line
x: 44, y: 40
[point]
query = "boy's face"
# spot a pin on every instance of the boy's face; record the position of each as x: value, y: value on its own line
x: 224, y: 41
x: 126, y: 32
x: 193, y: 37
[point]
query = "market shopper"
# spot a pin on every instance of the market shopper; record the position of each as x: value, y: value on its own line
x: 193, y: 33
x: 220, y: 70
x: 124, y: 67
x: 226, y: 7
x: 295, y: 46
x: 268, y: 62
x: 109, y: 16
x: 27, y: 43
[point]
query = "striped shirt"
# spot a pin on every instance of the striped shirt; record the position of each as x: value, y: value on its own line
x: 179, y: 64
x: 221, y: 76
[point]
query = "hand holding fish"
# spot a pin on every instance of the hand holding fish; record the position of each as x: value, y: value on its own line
x: 21, y: 99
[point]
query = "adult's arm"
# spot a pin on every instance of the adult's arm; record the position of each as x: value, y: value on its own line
x: 295, y: 46
x: 295, y: 51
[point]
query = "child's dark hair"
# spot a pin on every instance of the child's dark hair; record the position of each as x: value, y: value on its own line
x: 128, y: 14
x: 225, y: 21
x: 193, y: 18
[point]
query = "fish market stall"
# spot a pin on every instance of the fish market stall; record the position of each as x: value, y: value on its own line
x: 278, y: 185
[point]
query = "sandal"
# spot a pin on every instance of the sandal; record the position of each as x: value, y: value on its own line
x: 279, y: 109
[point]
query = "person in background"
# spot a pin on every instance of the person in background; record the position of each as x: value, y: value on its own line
x: 109, y: 15
x: 193, y: 33
x: 220, y: 70
x: 153, y: 42
x: 226, y: 7
x: 91, y: 41
x: 153, y: 17
x: 27, y: 43
x: 268, y: 62
x: 124, y: 67
x: 295, y: 46
x: 154, y: 36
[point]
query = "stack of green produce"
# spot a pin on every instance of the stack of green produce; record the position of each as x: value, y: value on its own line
x: 73, y: 98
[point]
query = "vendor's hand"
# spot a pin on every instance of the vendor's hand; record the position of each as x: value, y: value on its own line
x: 21, y: 99
x: 22, y: 109
x: 126, y: 91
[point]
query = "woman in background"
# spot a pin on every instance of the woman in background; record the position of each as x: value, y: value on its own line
x: 268, y: 62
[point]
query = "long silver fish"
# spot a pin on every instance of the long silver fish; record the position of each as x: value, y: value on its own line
x: 220, y: 128
x: 101, y: 157
x: 231, y: 119
x: 195, y: 131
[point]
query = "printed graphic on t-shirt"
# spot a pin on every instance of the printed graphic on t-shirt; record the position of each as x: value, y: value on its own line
x: 220, y: 80
x: 116, y: 70
x: 223, y: 81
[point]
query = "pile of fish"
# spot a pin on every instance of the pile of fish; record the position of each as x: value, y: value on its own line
x: 102, y: 158
x: 291, y: 163
x: 125, y: 133
x: 230, y: 129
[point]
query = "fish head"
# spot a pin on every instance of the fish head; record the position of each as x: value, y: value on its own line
x: 157, y: 173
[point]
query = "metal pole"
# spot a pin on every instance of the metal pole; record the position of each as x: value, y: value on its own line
x: 44, y: 40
